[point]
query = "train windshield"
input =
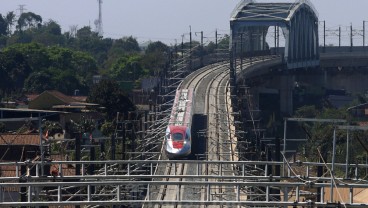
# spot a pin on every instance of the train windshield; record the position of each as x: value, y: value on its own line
x: 177, y: 137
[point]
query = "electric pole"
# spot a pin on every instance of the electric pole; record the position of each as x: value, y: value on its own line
x: 21, y: 9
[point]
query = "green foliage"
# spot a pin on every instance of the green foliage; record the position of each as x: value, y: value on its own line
x: 108, y: 94
x: 121, y: 47
x: 38, y: 82
x: 66, y: 82
x: 51, y: 127
x: 49, y: 34
x: 29, y: 20
x: 127, y: 68
x: 3, y: 26
x: 320, y: 135
x: 107, y: 128
x: 211, y: 47
x: 35, y: 68
x: 15, y: 68
x: 35, y: 55
x: 157, y: 46
x: 155, y: 58
x: 87, y: 125
x: 224, y: 42
x: 10, y: 20
x: 127, y: 44
x: 307, y: 112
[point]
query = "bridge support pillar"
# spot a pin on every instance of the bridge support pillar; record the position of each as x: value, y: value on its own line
x: 286, y: 94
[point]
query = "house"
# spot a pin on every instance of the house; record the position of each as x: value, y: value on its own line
x: 26, y: 147
x: 76, y: 106
x: 359, y: 111
x: 50, y: 98
x: 18, y: 147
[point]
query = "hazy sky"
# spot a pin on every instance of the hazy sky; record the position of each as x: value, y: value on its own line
x: 167, y: 20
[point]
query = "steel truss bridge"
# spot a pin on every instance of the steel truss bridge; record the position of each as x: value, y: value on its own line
x: 250, y: 23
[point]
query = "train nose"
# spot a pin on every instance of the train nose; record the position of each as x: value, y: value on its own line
x: 178, y: 144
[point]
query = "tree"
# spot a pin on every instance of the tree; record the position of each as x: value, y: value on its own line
x: 34, y: 68
x: 3, y: 26
x: 108, y: 94
x: 127, y: 68
x: 211, y: 47
x: 66, y: 82
x: 10, y: 19
x: 35, y: 55
x: 38, y: 82
x: 127, y: 45
x: 156, y: 57
x: 14, y: 63
x: 29, y: 20
x: 224, y: 42
x: 49, y: 34
x: 157, y: 46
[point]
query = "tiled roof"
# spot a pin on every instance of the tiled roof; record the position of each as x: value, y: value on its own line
x: 19, y: 139
x: 80, y: 98
x: 31, y: 96
x: 61, y: 96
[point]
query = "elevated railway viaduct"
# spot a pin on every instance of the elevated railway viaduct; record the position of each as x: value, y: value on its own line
x: 339, y: 70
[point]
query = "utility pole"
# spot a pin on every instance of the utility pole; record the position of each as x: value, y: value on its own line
x: 190, y: 47
x: 339, y: 36
x: 241, y: 52
x: 201, y: 48
x: 216, y: 38
x: 324, y: 36
x: 363, y: 33
x: 351, y: 37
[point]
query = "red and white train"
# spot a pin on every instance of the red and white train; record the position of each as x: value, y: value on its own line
x: 178, y: 139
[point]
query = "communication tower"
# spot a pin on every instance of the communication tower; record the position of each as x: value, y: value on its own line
x: 98, y: 22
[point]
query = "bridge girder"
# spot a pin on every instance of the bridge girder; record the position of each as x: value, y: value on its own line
x: 250, y: 22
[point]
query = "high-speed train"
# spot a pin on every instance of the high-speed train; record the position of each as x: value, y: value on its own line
x: 178, y: 139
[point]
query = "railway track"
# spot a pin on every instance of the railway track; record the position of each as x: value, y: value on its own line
x: 193, y: 81
x: 212, y: 98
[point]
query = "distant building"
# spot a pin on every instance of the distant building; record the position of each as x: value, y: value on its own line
x: 359, y: 111
x: 147, y: 84
x: 339, y: 101
x: 97, y: 79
